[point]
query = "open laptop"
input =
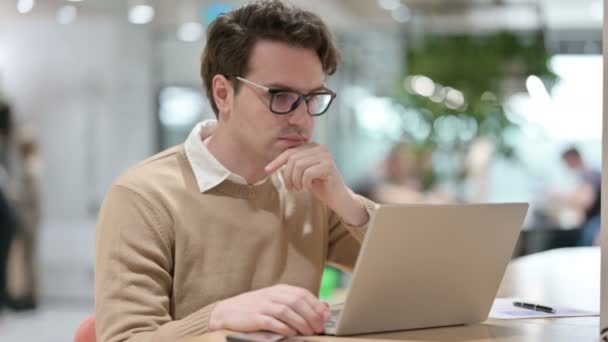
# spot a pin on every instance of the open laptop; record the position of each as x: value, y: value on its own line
x: 424, y: 266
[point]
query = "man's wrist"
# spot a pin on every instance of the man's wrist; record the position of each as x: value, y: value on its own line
x: 352, y: 210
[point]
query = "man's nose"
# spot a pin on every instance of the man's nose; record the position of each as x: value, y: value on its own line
x: 300, y: 116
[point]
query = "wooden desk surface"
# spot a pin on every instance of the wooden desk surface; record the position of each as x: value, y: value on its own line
x: 562, y: 277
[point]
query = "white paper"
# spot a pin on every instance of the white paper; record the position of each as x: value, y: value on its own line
x: 503, y: 308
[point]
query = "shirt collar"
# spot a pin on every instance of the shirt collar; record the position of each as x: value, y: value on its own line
x: 208, y: 171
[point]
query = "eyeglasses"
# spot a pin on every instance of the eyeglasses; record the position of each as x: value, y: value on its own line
x: 286, y: 101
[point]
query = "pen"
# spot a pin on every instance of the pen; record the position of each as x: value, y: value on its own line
x: 535, y: 307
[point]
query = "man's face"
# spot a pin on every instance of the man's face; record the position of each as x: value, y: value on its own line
x: 572, y: 162
x: 275, y: 65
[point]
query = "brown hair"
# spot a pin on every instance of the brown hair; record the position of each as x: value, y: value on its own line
x: 571, y: 152
x: 231, y: 37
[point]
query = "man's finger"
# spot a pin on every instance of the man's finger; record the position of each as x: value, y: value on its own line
x: 288, y: 316
x: 313, y: 173
x: 286, y: 174
x: 265, y: 322
x: 282, y: 158
x: 327, y: 312
x: 300, y: 166
x: 288, y: 169
x: 303, y: 307
x: 311, y: 300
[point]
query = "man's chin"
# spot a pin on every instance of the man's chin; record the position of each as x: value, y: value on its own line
x: 279, y: 147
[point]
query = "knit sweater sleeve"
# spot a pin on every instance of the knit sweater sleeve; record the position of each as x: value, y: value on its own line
x: 133, y: 273
x: 345, y: 240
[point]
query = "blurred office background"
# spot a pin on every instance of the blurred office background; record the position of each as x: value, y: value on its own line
x: 438, y: 101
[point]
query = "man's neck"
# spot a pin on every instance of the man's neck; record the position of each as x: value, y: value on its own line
x: 234, y: 157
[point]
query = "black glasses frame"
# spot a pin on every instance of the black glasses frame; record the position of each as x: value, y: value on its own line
x: 301, y: 97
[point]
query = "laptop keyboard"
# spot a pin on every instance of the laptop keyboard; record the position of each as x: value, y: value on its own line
x: 331, y: 323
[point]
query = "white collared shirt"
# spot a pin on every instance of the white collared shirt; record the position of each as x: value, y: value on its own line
x: 208, y: 171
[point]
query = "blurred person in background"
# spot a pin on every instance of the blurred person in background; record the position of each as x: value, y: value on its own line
x: 23, y: 267
x: 8, y: 216
x: 232, y: 229
x: 399, y: 180
x: 477, y: 164
x: 585, y: 198
x: 403, y: 177
x: 8, y: 226
x: 6, y: 125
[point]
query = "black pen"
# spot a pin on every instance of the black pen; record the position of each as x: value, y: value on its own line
x: 535, y: 307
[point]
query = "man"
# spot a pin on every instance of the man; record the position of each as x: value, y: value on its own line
x: 8, y: 227
x: 23, y: 253
x: 8, y: 216
x: 586, y: 197
x: 232, y: 229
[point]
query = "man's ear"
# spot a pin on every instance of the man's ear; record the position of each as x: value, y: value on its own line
x: 223, y: 94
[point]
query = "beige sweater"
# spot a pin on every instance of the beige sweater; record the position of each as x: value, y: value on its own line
x: 166, y: 253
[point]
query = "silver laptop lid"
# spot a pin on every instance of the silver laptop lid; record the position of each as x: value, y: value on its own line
x: 430, y: 265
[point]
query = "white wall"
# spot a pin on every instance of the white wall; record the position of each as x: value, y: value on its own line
x: 86, y: 88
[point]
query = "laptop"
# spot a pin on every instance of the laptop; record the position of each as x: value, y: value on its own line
x: 423, y: 266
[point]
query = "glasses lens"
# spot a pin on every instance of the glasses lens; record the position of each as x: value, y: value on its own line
x: 318, y: 103
x: 282, y: 102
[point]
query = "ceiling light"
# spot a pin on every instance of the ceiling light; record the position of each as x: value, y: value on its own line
x: 389, y: 5
x: 24, y: 6
x: 141, y: 14
x: 190, y: 32
x: 401, y: 14
x: 66, y: 14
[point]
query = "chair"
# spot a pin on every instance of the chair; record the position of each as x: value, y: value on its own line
x: 86, y: 330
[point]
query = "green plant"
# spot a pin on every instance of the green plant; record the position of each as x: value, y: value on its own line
x: 480, y: 71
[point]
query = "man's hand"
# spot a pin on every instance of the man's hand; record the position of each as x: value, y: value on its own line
x: 311, y: 167
x: 283, y: 309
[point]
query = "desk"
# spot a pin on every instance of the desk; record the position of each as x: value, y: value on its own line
x: 551, y: 277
